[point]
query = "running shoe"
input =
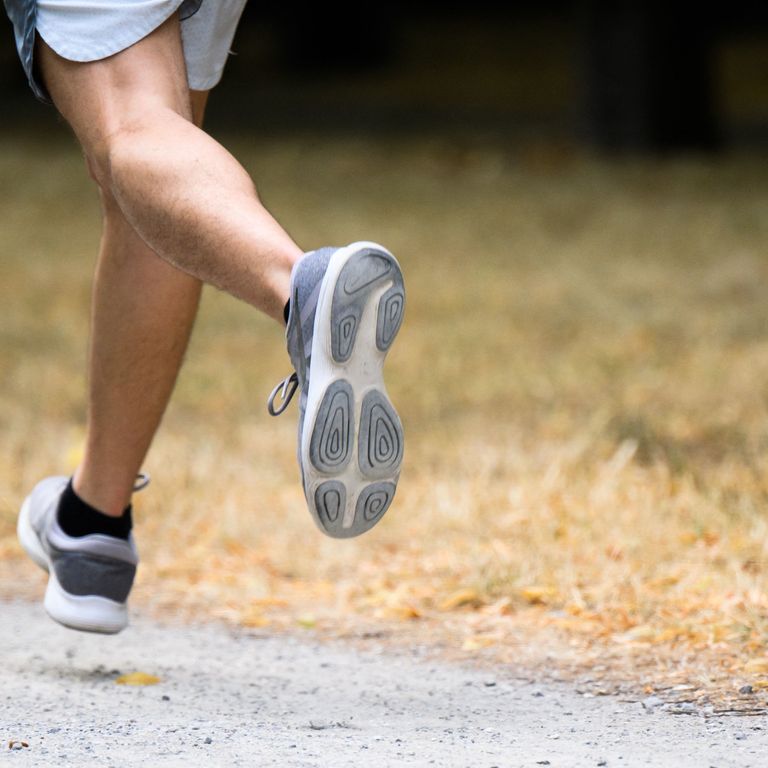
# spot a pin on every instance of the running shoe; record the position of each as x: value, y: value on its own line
x: 89, y: 576
x: 346, y: 308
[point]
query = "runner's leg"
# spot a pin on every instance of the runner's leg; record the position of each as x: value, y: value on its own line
x: 180, y: 190
x: 132, y: 114
x: 142, y: 315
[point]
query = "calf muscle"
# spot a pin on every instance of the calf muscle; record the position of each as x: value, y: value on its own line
x: 187, y: 198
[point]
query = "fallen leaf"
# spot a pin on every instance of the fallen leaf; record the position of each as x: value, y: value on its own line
x: 459, y: 598
x: 253, y: 618
x: 137, y: 678
x: 396, y: 610
x: 537, y: 595
x: 306, y: 620
x: 269, y: 602
x: 502, y: 607
x: 670, y: 633
x: 756, y: 666
x: 479, y: 641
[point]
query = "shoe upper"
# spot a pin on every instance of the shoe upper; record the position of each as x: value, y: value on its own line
x: 306, y: 281
x: 97, y: 564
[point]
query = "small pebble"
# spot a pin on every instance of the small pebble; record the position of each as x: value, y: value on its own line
x: 746, y: 689
x: 208, y: 740
x: 652, y: 702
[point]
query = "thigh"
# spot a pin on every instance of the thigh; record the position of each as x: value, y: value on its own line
x: 100, y: 98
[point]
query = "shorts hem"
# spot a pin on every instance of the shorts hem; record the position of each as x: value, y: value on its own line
x: 207, y: 83
x: 117, y: 44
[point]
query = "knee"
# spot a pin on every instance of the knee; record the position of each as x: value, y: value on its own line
x: 93, y: 166
x: 124, y: 148
x: 107, y: 157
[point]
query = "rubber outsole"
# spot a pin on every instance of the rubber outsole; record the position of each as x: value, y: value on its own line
x: 380, y: 441
x: 331, y: 445
x: 353, y: 438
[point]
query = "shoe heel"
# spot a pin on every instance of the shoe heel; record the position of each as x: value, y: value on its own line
x: 28, y: 538
x: 363, y: 274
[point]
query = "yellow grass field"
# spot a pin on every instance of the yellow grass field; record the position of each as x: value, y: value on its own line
x: 582, y: 375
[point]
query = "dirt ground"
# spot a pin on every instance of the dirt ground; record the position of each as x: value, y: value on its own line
x: 218, y: 697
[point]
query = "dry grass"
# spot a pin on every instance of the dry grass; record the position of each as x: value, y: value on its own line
x: 582, y: 376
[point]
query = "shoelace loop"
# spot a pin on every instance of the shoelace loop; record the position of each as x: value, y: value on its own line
x: 287, y: 389
x: 142, y: 481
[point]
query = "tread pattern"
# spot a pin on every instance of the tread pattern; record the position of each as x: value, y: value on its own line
x: 380, y: 441
x: 373, y: 502
x: 390, y: 316
x: 332, y: 435
x: 364, y: 272
x: 330, y: 501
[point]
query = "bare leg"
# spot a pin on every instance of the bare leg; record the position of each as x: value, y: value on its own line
x: 142, y: 316
x: 183, y: 193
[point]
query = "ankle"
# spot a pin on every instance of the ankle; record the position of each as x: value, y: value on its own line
x: 78, y: 518
x: 111, y: 500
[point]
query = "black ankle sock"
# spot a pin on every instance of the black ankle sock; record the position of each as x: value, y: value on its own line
x: 78, y: 518
x: 287, y: 310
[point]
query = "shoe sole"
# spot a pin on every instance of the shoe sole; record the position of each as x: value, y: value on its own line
x: 352, y: 440
x: 86, y: 613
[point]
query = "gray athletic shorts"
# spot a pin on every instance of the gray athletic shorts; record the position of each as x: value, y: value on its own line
x: 89, y: 30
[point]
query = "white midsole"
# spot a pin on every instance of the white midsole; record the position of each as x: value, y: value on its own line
x: 89, y: 613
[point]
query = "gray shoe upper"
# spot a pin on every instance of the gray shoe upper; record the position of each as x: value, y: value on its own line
x: 306, y: 280
x: 99, y: 565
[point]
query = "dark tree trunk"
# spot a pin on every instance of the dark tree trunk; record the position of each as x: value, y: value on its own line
x: 649, y: 75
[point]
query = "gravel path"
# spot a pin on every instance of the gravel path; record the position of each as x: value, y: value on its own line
x: 241, y: 700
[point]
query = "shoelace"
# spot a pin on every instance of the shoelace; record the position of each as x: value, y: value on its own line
x: 287, y: 389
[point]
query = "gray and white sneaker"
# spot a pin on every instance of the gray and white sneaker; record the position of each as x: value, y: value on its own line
x: 89, y: 576
x: 346, y: 309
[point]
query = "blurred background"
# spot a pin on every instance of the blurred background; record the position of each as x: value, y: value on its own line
x: 625, y: 75
x: 578, y: 194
